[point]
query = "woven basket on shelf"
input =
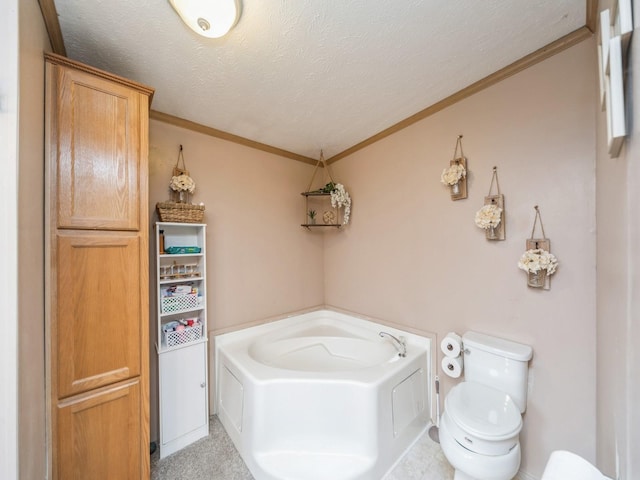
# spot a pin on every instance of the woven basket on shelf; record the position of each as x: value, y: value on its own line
x: 180, y: 212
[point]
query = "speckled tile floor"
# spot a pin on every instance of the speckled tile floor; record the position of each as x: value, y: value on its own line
x: 215, y: 458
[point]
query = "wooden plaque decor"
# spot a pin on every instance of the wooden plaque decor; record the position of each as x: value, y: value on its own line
x: 177, y: 171
x: 616, y: 28
x: 540, y: 243
x: 459, y: 190
x: 499, y: 232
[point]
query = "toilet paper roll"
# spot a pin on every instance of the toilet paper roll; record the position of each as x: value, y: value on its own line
x: 452, y: 366
x: 451, y: 344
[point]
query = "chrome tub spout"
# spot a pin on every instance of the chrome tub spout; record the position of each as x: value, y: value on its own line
x: 400, y: 343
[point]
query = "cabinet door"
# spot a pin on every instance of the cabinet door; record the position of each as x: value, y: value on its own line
x: 98, y: 152
x: 183, y: 393
x: 97, y: 337
x: 98, y: 436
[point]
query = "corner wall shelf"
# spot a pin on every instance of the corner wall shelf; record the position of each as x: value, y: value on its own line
x: 321, y: 201
x: 314, y: 201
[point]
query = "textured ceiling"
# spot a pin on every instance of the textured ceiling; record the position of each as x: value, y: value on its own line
x: 305, y: 75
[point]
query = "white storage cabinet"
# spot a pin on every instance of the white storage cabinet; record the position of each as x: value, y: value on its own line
x: 181, y: 338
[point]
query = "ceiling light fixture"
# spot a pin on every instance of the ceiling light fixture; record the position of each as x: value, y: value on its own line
x: 209, y: 18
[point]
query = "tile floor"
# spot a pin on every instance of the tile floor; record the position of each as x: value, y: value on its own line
x: 215, y: 458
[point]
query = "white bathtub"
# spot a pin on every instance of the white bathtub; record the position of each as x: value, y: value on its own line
x: 322, y: 396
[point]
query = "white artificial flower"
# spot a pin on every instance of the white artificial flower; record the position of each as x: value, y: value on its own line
x: 534, y: 260
x: 453, y: 174
x: 182, y: 183
x: 340, y: 198
x: 488, y: 216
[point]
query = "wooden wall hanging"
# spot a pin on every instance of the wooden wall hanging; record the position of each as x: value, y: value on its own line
x: 176, y: 196
x: 455, y: 177
x: 540, y: 247
x: 498, y: 232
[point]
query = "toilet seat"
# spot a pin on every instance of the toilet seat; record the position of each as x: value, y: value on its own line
x: 483, y: 419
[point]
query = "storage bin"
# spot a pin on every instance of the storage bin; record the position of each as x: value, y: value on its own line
x: 179, y: 303
x: 189, y: 334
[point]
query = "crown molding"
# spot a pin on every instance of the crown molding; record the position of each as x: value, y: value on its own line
x: 213, y: 132
x: 538, y: 56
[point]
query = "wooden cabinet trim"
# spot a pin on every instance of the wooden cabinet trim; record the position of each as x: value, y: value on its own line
x: 67, y: 62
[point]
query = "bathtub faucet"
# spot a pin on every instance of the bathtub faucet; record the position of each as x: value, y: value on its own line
x: 401, y: 343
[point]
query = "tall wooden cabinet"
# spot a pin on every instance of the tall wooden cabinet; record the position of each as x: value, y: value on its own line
x: 97, y: 312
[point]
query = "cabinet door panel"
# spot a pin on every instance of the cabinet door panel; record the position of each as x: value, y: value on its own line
x: 98, y: 436
x: 98, y: 153
x: 99, y: 311
x: 183, y: 391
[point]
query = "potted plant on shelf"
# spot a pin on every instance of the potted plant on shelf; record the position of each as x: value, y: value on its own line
x: 312, y: 217
x: 488, y: 218
x: 538, y: 264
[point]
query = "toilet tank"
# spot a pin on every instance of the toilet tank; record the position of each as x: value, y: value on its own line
x: 498, y: 363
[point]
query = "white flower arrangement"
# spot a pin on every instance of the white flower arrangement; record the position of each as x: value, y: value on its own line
x: 534, y: 260
x: 182, y: 183
x: 489, y: 216
x: 453, y: 174
x: 340, y: 198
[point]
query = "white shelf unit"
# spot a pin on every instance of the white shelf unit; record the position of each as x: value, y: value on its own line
x: 182, y: 354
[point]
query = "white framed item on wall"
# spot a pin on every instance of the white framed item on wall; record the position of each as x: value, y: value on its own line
x: 616, y: 27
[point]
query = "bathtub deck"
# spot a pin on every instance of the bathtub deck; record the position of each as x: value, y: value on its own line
x: 215, y: 458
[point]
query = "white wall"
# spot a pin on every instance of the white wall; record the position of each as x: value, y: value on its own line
x: 413, y: 256
x: 33, y: 42
x: 618, y: 286
x: 8, y: 237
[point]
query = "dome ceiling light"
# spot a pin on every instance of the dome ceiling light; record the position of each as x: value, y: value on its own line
x: 209, y: 18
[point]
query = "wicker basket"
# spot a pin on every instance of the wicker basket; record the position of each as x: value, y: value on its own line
x: 180, y: 212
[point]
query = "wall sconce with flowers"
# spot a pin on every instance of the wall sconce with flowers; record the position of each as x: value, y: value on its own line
x: 488, y: 218
x: 537, y: 261
x: 455, y: 177
x: 179, y: 208
x: 491, y: 216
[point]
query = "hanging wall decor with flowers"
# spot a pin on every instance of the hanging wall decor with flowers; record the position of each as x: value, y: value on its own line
x: 179, y: 208
x: 491, y: 216
x: 537, y: 260
x: 340, y: 212
x: 455, y: 176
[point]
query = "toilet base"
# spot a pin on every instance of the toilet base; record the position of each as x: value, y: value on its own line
x: 460, y: 475
x: 473, y: 466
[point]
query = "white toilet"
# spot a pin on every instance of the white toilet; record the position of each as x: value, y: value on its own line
x: 482, y: 416
x: 564, y: 465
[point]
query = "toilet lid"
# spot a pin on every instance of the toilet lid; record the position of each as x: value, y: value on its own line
x: 483, y: 411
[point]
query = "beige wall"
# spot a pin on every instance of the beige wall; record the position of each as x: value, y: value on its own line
x: 618, y: 292
x: 33, y: 42
x: 260, y: 261
x: 415, y: 257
